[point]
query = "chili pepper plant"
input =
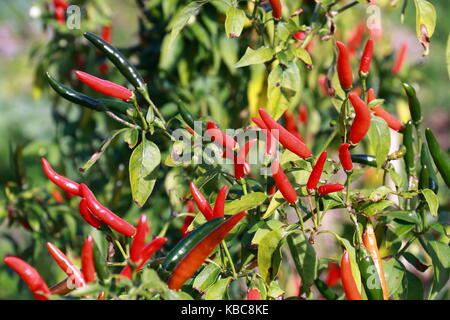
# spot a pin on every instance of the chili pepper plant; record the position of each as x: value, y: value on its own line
x: 235, y: 150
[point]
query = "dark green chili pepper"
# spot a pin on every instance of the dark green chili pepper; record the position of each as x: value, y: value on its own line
x: 116, y: 105
x: 364, y: 159
x: 100, y: 265
x: 186, y: 244
x: 369, y: 274
x: 440, y: 157
x: 119, y: 60
x: 414, y: 104
x: 74, y: 96
x: 408, y: 141
x: 324, y: 290
x: 425, y: 160
x: 188, y: 117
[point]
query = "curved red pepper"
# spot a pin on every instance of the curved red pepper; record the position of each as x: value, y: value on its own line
x: 316, y: 172
x: 66, y: 265
x: 138, y: 242
x: 241, y: 166
x: 270, y: 140
x: 345, y: 157
x: 106, y: 215
x: 283, y: 183
x: 253, y: 294
x: 302, y: 114
x: 276, y: 8
x: 344, y: 67
x: 88, y: 216
x: 201, y: 202
x: 366, y: 59
x: 348, y: 282
x: 361, y: 123
x: 194, y: 259
x: 329, y: 188
x: 400, y: 59
x: 87, y: 260
x: 288, y: 140
x: 219, y: 136
x: 219, y: 206
x: 31, y: 277
x: 391, y: 121
x: 104, y: 86
x: 61, y: 181
x: 334, y: 274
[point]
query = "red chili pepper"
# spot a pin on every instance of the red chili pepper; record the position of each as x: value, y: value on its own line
x: 345, y: 157
x: 270, y: 140
x: 302, y: 114
x: 344, y: 67
x: 219, y: 206
x: 88, y: 216
x: 329, y: 188
x: 31, y: 277
x: 60, y: 3
x: 348, y: 282
x: 291, y: 124
x: 366, y: 59
x: 106, y: 33
x: 354, y: 41
x: 300, y: 35
x: 220, y: 137
x: 57, y: 196
x: 276, y: 8
x: 60, y: 15
x: 106, y: 215
x: 138, y: 242
x: 101, y: 295
x: 61, y: 181
x: 87, y: 260
x: 334, y: 274
x: 272, y: 191
x: 288, y: 140
x: 391, y: 121
x: 201, y: 202
x: 241, y: 166
x: 316, y: 172
x: 188, y: 220
x: 103, y: 68
x: 400, y: 60
x: 66, y: 265
x: 283, y: 183
x: 104, y: 86
x: 253, y: 294
x: 361, y: 123
x: 194, y: 259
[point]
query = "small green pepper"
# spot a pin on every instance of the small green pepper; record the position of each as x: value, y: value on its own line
x: 100, y: 265
x: 440, y: 157
x: 369, y: 274
x: 364, y: 159
x: 408, y: 141
x: 425, y: 160
x: 414, y: 104
x: 324, y: 290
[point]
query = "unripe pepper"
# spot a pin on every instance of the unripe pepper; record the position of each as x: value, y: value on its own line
x: 283, y: 183
x: 425, y: 161
x: 400, y: 59
x: 61, y: 181
x: 329, y: 188
x: 365, y: 159
x: 408, y: 141
x: 87, y: 260
x: 369, y: 274
x: 288, y: 140
x: 104, y: 86
x: 366, y: 59
x: 348, y: 282
x: 414, y: 104
x: 316, y: 172
x: 370, y: 241
x: 361, y: 123
x: 201, y: 202
x: 345, y: 157
x: 31, y: 277
x: 440, y: 157
x: 325, y: 290
x: 391, y: 121
x: 276, y: 8
x: 66, y: 265
x: 344, y: 67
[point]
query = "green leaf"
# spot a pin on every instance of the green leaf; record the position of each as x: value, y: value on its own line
x: 257, y: 56
x: 414, y: 286
x: 303, y: 55
x: 218, y: 291
x: 144, y: 161
x: 373, y: 208
x: 379, y: 193
x: 274, y: 290
x: 425, y: 23
x: 394, y: 273
x: 415, y: 262
x: 375, y: 103
x: 275, y: 203
x: 380, y: 139
x: 234, y: 23
x: 396, y: 178
x: 131, y: 137
x: 266, y: 253
x: 246, y: 202
x: 440, y: 256
x: 305, y: 259
x: 207, y: 277
x: 432, y: 201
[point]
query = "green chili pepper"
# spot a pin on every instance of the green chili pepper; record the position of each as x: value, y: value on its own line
x: 425, y: 160
x: 189, y: 117
x: 100, y: 265
x: 414, y: 104
x: 369, y: 274
x: 364, y: 159
x: 116, y: 105
x: 440, y: 158
x: 74, y: 96
x: 119, y: 60
x: 187, y: 243
x: 409, y: 144
x: 325, y: 291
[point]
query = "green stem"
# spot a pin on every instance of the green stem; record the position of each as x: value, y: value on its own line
x: 348, y: 6
x: 300, y: 218
x: 313, y: 215
x: 230, y: 261
x: 122, y: 251
x: 140, y: 114
x: 406, y: 246
x: 327, y: 143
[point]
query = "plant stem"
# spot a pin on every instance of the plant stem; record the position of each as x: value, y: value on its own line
x: 230, y: 261
x: 300, y: 218
x: 348, y: 6
x: 406, y: 246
